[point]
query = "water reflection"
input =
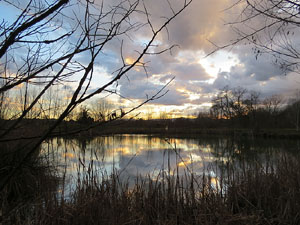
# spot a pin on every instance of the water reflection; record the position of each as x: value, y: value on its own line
x: 141, y: 155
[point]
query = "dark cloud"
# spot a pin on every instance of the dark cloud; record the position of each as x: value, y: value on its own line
x: 173, y: 97
x: 262, y: 68
x: 190, y: 72
x: 258, y: 75
x: 200, y: 22
x: 165, y: 78
x: 138, y: 90
x: 192, y: 30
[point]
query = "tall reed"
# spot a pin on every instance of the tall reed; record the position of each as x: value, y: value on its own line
x: 259, y: 194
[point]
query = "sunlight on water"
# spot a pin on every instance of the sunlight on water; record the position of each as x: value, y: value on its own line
x: 140, y: 155
x: 131, y: 155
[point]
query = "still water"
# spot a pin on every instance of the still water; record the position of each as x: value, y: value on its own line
x: 131, y: 156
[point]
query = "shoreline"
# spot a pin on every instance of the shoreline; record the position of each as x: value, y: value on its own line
x: 188, y: 129
x: 194, y: 132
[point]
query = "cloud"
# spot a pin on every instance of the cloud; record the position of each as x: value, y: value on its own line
x: 142, y: 88
x: 258, y: 75
x: 189, y: 72
x: 154, y: 161
x: 200, y: 22
x: 192, y: 31
x: 139, y: 91
x: 262, y: 67
x: 173, y: 97
x: 189, y: 31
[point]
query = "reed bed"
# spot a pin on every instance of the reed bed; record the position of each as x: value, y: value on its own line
x: 268, y: 194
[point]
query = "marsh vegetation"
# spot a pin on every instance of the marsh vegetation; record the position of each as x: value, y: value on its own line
x: 61, y: 64
x: 138, y: 179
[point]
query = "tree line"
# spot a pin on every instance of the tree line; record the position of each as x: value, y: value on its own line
x: 61, y: 44
x: 239, y: 107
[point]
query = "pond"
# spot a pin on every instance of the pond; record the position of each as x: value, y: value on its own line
x: 132, y: 156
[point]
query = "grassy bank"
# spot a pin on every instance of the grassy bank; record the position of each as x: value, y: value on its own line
x: 254, y: 195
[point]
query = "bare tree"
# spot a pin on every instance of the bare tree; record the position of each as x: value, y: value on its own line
x: 163, y: 115
x: 100, y: 109
x: 61, y: 42
x: 293, y: 110
x: 238, y: 100
x: 222, y: 104
x: 272, y: 104
x: 252, y: 102
x: 234, y: 103
x: 272, y: 27
x: 4, y: 105
x: 149, y: 114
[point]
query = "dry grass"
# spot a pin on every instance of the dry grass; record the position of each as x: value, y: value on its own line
x: 256, y: 195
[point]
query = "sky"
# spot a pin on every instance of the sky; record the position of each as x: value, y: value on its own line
x: 197, y: 77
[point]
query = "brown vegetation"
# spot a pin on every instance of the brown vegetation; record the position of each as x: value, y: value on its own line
x: 257, y: 194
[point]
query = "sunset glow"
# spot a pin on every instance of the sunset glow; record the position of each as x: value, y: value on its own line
x: 182, y: 53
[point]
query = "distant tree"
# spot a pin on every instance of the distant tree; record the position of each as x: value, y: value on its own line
x: 293, y: 110
x: 149, y: 114
x: 84, y: 116
x: 163, y: 115
x: 272, y: 104
x: 61, y: 41
x: 229, y: 103
x: 252, y: 102
x: 237, y: 102
x: 100, y: 109
x: 221, y: 104
x: 203, y: 114
x: 4, y: 105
